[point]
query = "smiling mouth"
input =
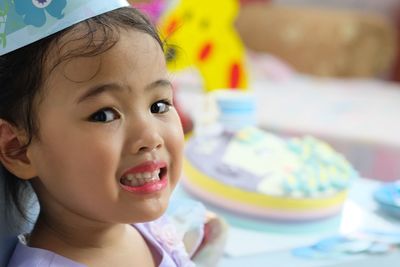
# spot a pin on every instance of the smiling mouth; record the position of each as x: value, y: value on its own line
x: 141, y: 179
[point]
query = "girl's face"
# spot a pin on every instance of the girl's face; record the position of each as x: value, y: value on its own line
x: 110, y: 143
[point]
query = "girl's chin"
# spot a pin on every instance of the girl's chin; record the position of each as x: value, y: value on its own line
x: 147, y: 215
x: 145, y: 218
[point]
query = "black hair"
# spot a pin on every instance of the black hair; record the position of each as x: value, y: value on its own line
x: 22, y: 76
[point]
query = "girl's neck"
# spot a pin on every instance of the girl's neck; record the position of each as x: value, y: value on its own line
x: 49, y: 231
x: 92, y: 243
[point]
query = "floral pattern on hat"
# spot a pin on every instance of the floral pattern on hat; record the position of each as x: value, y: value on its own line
x: 34, y: 11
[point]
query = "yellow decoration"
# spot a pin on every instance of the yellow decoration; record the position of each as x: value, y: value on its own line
x: 201, y: 33
x: 214, y: 187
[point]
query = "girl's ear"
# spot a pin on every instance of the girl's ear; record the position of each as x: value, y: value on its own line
x: 13, y: 155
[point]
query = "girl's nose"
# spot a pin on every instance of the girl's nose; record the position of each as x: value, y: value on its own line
x: 146, y: 137
x: 150, y: 142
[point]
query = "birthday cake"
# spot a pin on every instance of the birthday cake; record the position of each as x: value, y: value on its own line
x: 255, y: 173
x: 246, y: 170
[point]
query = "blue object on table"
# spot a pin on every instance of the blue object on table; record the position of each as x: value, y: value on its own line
x: 340, y: 246
x: 388, y: 198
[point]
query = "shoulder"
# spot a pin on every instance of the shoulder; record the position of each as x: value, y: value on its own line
x: 162, y: 235
x: 178, y: 232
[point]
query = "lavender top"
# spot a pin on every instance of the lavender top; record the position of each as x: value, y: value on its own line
x: 161, y: 234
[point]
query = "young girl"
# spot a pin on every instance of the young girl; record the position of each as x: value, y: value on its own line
x: 87, y: 120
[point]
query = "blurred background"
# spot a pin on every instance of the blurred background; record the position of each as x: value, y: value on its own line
x: 337, y: 38
x: 329, y: 69
x: 324, y: 68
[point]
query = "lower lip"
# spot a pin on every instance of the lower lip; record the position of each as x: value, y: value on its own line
x: 148, y: 188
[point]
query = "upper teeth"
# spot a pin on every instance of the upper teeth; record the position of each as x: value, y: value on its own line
x: 137, y: 179
x: 143, y: 175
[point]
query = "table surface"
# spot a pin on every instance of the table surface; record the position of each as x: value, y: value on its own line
x: 270, y: 244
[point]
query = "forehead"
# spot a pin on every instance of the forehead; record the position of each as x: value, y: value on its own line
x: 79, y: 59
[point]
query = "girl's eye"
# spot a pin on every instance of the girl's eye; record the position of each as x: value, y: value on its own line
x: 105, y: 115
x: 160, y: 107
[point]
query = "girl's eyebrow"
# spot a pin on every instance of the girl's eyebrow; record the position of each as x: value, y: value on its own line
x: 159, y: 83
x: 99, y: 89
